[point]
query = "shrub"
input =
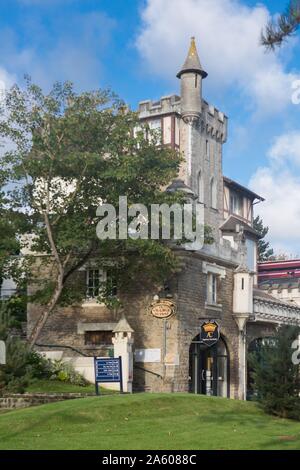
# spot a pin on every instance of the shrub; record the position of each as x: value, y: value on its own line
x: 23, y: 365
x: 40, y: 367
x: 16, y: 374
x: 65, y: 372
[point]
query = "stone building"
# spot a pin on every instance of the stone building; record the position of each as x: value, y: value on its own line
x: 216, y: 284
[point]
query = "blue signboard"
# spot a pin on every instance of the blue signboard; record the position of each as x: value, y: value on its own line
x: 108, y: 370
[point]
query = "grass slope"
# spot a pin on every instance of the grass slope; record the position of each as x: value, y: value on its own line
x: 55, y: 386
x: 147, y: 421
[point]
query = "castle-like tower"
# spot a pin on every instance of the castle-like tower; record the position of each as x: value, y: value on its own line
x: 191, y: 76
x: 203, y: 130
x: 198, y: 130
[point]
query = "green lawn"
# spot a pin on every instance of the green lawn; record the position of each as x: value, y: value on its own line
x: 147, y: 421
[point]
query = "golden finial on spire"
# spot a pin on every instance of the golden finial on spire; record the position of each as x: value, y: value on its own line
x: 193, y: 49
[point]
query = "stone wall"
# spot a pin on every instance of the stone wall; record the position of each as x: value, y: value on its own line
x: 14, y: 401
x: 256, y: 330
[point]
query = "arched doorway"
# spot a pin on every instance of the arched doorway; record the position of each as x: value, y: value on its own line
x: 209, y: 368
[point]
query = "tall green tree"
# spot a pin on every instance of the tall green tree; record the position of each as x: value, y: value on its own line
x: 70, y: 153
x: 265, y: 252
x: 276, y: 373
x: 276, y: 32
x: 9, y: 225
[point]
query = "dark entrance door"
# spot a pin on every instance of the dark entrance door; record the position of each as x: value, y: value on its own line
x: 209, y: 369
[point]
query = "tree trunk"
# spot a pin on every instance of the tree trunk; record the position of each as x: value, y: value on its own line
x: 45, y: 315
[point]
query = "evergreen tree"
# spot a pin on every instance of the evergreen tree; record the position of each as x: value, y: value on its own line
x: 276, y: 378
x: 285, y: 26
x: 264, y: 251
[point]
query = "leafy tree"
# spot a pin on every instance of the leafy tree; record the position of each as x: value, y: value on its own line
x: 285, y: 26
x: 8, y: 241
x: 72, y: 152
x: 276, y: 377
x: 265, y: 253
x: 13, y: 222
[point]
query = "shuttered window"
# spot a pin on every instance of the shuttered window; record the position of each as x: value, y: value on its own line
x: 98, y: 338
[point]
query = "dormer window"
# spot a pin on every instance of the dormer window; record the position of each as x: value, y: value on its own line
x: 236, y: 204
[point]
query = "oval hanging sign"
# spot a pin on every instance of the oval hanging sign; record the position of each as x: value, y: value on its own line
x: 162, y: 309
x: 209, y: 333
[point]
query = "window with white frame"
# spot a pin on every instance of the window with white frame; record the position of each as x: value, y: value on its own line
x: 100, y: 281
x: 212, y: 288
x: 95, y: 278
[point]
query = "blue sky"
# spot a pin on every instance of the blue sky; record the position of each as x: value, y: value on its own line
x: 137, y: 46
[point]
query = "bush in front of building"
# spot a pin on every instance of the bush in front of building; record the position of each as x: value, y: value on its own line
x: 24, y: 366
x: 65, y: 372
x: 16, y: 374
x: 276, y: 375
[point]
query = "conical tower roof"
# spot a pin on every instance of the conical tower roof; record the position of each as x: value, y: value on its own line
x: 123, y: 326
x: 192, y: 62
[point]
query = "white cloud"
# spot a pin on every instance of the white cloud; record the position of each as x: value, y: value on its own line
x: 228, y: 36
x: 286, y: 148
x: 280, y: 185
x: 6, y: 80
